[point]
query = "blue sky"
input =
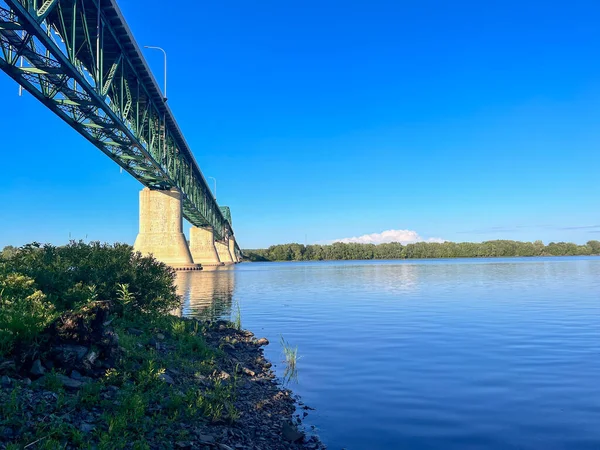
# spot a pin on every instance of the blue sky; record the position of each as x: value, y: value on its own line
x: 324, y: 120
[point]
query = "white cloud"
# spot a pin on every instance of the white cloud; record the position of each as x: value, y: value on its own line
x: 402, y: 236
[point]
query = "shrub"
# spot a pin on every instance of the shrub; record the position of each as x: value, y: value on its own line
x: 24, y: 311
x: 77, y: 273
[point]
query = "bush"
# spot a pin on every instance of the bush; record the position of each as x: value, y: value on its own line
x: 77, y: 273
x: 24, y: 311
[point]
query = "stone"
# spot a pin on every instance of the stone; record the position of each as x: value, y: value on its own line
x: 7, y: 366
x: 206, y: 438
x: 248, y: 372
x: 262, y: 341
x: 87, y: 427
x: 223, y: 376
x: 135, y: 331
x: 166, y: 378
x: 291, y: 433
x: 160, y: 336
x: 27, y: 381
x: 90, y: 359
x: 229, y: 348
x: 37, y: 369
x: 76, y: 375
x: 5, y: 381
x: 69, y: 383
x: 68, y: 354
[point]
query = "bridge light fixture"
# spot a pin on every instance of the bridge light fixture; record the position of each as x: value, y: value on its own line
x: 165, y: 80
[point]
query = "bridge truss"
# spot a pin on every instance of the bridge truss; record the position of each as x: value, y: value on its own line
x: 79, y: 58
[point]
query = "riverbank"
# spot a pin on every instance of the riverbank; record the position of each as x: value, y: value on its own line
x: 154, y: 382
x: 92, y: 357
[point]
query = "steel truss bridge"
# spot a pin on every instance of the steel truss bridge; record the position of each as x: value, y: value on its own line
x: 79, y: 58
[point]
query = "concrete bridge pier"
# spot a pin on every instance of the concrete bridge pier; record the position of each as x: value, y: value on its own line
x: 223, y: 252
x: 232, y: 250
x: 161, y: 229
x: 202, y: 247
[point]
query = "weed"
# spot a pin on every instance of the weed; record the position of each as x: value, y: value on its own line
x: 52, y: 382
x: 291, y: 358
x: 237, y: 321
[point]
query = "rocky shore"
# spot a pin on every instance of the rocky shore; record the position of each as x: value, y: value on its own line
x: 99, y: 381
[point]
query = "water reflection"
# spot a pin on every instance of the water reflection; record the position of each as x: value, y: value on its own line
x: 206, y: 294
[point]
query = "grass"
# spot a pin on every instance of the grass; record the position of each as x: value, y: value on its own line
x: 291, y: 358
x: 142, y: 404
x: 237, y: 321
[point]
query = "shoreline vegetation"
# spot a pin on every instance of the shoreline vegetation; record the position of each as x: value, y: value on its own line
x: 339, y: 251
x: 92, y: 357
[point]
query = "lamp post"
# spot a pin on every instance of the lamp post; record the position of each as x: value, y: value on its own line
x: 215, y: 180
x: 165, y: 81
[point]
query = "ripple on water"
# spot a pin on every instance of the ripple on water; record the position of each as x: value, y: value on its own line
x: 459, y: 354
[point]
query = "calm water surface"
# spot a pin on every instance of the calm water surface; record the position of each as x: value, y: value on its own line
x: 439, y: 354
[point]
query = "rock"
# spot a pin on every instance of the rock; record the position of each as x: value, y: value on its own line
x: 223, y: 376
x: 174, y: 372
x: 7, y: 367
x: 248, y: 372
x: 90, y: 359
x: 166, y: 378
x: 37, y: 369
x: 291, y: 433
x: 206, y: 438
x: 69, y: 383
x: 228, y: 347
x: 183, y: 444
x: 68, y: 354
x: 160, y: 336
x: 135, y: 331
x: 76, y: 375
x: 5, y: 381
x: 87, y: 427
x: 262, y: 341
x: 27, y: 381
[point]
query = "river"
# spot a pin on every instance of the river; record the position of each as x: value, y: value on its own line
x: 428, y: 354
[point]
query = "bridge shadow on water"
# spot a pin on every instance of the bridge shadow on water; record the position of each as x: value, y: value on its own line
x: 207, y: 294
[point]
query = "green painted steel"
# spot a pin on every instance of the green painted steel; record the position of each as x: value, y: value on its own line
x: 79, y: 58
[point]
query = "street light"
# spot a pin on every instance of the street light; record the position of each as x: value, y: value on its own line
x: 164, y: 53
x: 215, y: 180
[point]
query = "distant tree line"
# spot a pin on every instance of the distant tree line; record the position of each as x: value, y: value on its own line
x: 395, y: 250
